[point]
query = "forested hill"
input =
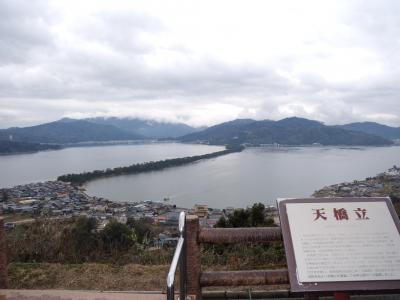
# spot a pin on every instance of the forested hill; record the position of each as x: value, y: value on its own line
x: 290, y: 131
x: 8, y: 147
x: 374, y: 128
x: 66, y: 131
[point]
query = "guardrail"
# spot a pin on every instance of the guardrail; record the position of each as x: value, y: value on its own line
x: 189, y: 243
x: 179, y: 258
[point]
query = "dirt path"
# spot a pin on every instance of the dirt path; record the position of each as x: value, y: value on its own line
x: 75, y: 295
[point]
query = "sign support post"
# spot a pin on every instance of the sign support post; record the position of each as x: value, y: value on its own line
x: 311, y: 296
x: 341, y: 296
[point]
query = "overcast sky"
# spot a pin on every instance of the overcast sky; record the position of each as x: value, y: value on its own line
x: 199, y: 62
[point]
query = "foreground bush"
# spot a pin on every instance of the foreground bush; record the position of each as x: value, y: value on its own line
x: 79, y: 241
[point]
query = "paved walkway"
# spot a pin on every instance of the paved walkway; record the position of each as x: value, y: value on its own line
x: 77, y: 295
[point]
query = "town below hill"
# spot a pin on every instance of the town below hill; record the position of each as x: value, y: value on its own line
x: 9, y: 147
x: 62, y: 200
x: 58, y: 199
x: 290, y: 131
x: 386, y: 184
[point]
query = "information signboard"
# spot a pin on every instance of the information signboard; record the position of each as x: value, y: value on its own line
x: 341, y: 244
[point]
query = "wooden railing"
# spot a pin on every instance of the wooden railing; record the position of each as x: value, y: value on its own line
x: 196, y: 279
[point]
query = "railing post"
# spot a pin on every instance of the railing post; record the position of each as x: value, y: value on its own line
x: 170, y: 292
x: 341, y: 296
x: 193, y: 256
x: 182, y: 263
x: 3, y: 256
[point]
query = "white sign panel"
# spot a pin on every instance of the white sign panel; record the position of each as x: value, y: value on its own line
x: 344, y: 241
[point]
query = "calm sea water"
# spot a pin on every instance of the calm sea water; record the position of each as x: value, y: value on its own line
x: 255, y: 175
x: 239, y: 179
x: 47, y: 165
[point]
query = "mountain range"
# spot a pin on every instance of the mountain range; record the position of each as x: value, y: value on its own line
x: 289, y: 131
x: 67, y: 131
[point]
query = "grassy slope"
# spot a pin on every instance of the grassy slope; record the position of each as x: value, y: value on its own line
x: 94, y: 276
x: 89, y: 276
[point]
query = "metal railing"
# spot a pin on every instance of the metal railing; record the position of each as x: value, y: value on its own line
x: 179, y: 258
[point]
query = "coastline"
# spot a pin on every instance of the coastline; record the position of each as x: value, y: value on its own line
x: 57, y: 199
x: 81, y: 178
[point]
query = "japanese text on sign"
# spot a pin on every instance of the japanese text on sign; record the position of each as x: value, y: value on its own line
x: 340, y: 214
x: 354, y: 241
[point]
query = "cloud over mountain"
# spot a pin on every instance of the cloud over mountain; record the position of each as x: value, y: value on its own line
x: 199, y: 62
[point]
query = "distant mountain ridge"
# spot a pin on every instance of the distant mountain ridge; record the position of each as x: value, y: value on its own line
x: 66, y: 131
x: 289, y: 131
x: 8, y: 147
x: 374, y: 128
x: 146, y: 128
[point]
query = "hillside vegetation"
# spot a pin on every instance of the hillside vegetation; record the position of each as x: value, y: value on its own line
x: 78, y: 254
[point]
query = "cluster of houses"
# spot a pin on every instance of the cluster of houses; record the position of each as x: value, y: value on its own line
x: 50, y: 198
x: 377, y: 186
x: 57, y: 199
x: 63, y: 200
x: 393, y: 171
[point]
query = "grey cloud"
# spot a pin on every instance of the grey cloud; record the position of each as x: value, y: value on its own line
x: 23, y: 27
x: 124, y: 77
x: 120, y: 30
x: 106, y: 69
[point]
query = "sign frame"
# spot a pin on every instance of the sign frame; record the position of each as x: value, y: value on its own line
x: 331, y: 286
